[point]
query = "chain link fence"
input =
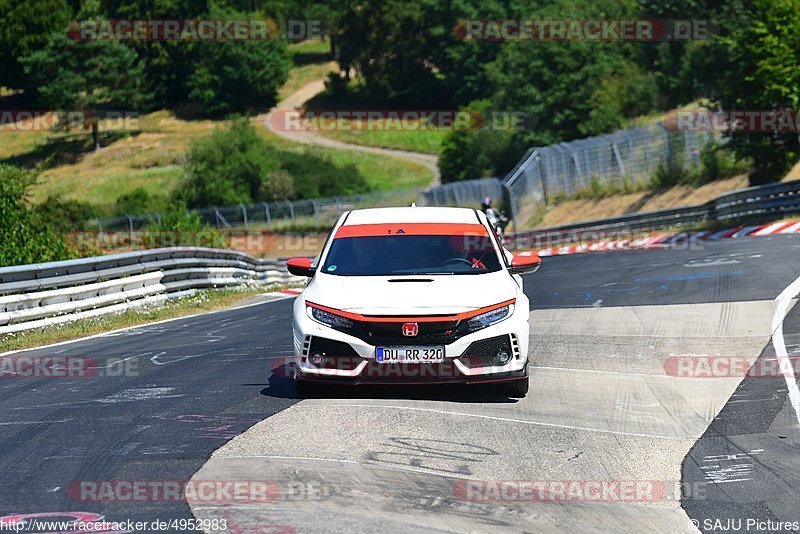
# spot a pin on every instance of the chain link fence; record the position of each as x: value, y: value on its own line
x: 544, y: 173
x: 315, y: 212
x: 465, y: 193
x: 627, y: 157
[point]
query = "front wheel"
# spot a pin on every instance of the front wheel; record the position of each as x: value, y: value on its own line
x: 517, y: 389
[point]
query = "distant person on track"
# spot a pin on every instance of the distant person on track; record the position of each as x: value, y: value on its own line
x: 498, y: 220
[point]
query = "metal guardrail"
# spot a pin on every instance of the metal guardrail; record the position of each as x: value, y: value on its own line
x: 33, y: 296
x: 757, y: 202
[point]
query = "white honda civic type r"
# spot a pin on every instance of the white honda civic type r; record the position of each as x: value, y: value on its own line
x: 410, y: 296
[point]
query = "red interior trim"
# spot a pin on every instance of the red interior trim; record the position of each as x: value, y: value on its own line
x: 369, y: 230
x: 418, y: 319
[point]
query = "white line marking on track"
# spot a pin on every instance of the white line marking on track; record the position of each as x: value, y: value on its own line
x: 493, y: 418
x: 784, y: 301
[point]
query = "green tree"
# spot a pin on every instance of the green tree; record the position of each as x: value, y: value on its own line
x: 410, y: 50
x: 25, y: 29
x: 90, y: 76
x: 238, y: 76
x: 760, y: 58
x: 168, y: 64
x: 218, y: 76
x: 26, y: 237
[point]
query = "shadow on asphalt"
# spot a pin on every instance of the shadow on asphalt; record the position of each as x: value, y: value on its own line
x: 281, y: 386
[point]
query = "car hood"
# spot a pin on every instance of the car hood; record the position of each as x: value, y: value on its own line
x: 401, y: 295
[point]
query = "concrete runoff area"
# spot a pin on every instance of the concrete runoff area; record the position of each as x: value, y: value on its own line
x: 394, y: 463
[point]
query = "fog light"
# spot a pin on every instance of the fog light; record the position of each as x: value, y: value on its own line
x: 502, y: 357
x: 318, y: 359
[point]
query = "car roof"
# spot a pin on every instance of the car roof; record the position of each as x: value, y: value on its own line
x: 412, y: 215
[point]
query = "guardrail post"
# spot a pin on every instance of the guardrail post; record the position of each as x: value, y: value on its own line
x: 291, y: 209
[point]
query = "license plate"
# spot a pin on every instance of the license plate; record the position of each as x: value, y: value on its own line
x: 409, y: 354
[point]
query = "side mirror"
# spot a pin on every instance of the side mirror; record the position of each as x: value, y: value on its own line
x: 300, y: 267
x: 525, y: 264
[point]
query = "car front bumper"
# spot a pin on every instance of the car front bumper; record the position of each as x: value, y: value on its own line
x: 468, y: 360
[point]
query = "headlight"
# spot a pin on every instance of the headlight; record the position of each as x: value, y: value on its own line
x: 330, y: 319
x: 489, y: 318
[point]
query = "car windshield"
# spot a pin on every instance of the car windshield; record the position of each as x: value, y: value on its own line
x: 411, y: 254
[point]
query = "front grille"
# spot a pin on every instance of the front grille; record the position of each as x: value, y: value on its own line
x: 481, y: 353
x: 433, y: 333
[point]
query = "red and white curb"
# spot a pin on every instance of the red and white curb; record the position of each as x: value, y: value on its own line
x: 665, y: 240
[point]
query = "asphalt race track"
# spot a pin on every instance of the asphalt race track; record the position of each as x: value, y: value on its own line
x: 620, y: 397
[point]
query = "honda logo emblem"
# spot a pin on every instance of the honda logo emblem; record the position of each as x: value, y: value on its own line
x: 410, y: 329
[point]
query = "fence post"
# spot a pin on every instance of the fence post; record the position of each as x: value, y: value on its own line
x: 244, y: 215
x: 545, y: 195
x: 266, y: 213
x: 130, y: 228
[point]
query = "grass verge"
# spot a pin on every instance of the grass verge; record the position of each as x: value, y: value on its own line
x: 380, y: 173
x: 389, y: 134
x: 311, y: 61
x: 203, y: 301
x: 411, y: 135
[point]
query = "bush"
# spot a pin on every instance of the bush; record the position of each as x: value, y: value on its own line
x: 137, y: 202
x: 316, y: 176
x: 26, y: 237
x: 229, y: 167
x: 179, y: 227
x: 237, y: 166
x: 670, y: 172
x: 716, y: 163
x: 479, y: 152
x: 64, y: 216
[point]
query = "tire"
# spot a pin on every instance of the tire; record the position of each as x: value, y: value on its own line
x: 517, y: 389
